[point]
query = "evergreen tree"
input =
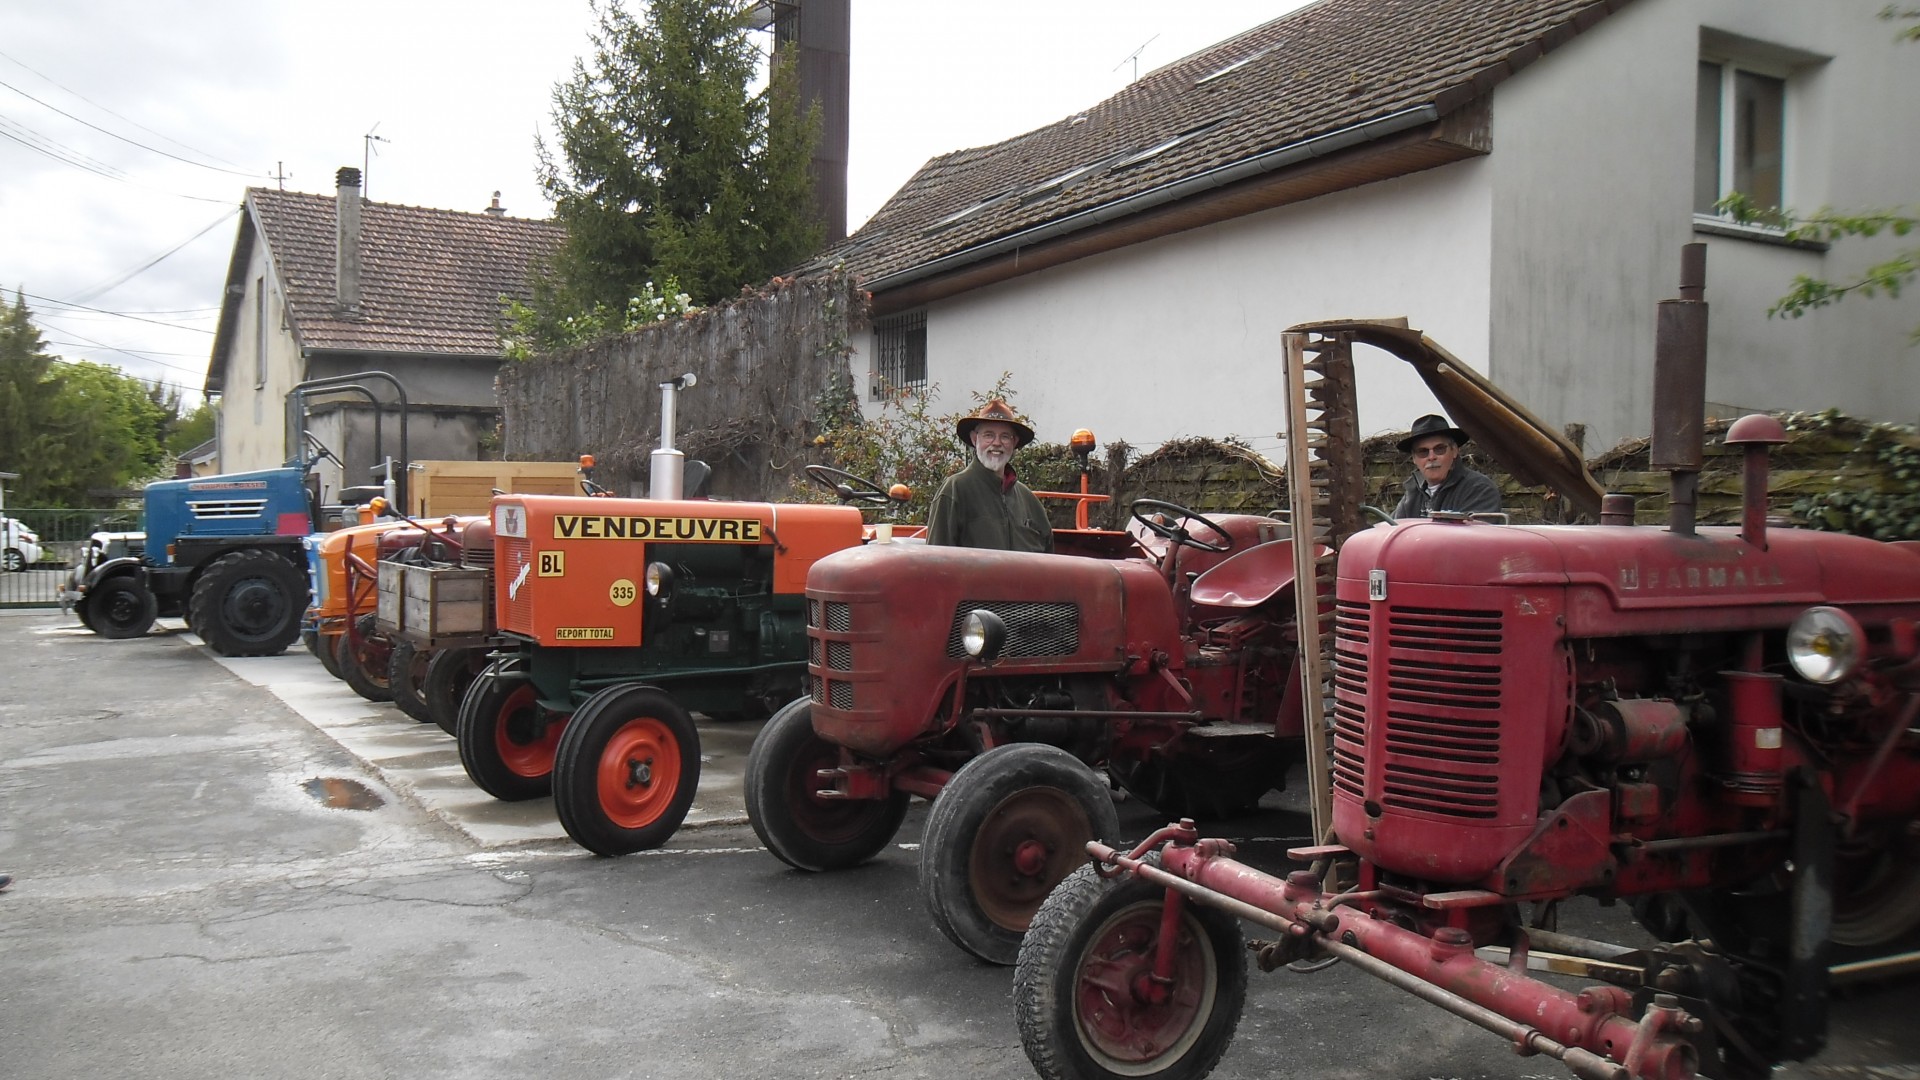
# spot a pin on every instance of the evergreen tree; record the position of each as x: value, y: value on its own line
x: 670, y: 166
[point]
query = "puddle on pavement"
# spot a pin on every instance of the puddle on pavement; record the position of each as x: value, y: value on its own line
x: 338, y: 793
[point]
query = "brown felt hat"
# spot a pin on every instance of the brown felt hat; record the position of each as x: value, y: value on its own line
x: 1431, y: 425
x: 997, y: 410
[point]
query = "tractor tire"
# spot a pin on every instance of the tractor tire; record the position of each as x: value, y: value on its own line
x: 1092, y: 935
x: 249, y: 603
x: 406, y: 676
x: 121, y: 607
x: 362, y: 658
x: 626, y: 770
x: 310, y: 637
x: 506, y: 739
x: 1009, y: 826
x: 450, y: 673
x: 81, y: 612
x: 801, y: 829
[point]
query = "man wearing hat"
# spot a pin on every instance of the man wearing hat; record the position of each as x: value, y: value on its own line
x: 985, y: 505
x: 1439, y: 481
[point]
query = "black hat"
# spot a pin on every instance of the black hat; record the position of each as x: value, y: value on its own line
x: 1431, y: 425
x: 997, y: 411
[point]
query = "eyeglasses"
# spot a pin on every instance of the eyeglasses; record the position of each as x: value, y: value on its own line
x: 1433, y: 451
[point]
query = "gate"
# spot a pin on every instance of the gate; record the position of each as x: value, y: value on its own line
x: 62, y: 538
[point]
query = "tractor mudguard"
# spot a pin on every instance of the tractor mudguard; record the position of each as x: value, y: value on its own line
x: 126, y: 564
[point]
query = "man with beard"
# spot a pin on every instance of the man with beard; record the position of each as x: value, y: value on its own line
x: 1439, y: 481
x: 985, y: 505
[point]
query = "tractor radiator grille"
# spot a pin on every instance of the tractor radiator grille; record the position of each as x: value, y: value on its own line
x: 839, y: 654
x: 1441, y: 743
x: 839, y: 615
x: 519, y: 600
x: 1350, y: 698
x: 477, y: 557
x: 1032, y: 629
x: 832, y: 692
x: 228, y: 508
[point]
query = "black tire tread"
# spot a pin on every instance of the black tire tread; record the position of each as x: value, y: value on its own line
x: 785, y: 736
x: 576, y: 769
x: 203, y: 608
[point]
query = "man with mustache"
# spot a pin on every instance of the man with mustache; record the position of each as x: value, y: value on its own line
x: 1439, y: 481
x: 985, y: 505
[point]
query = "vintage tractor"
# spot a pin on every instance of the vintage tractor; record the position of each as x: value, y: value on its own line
x: 996, y: 683
x: 1715, y: 723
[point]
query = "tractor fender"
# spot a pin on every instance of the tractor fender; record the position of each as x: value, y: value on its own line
x: 112, y: 568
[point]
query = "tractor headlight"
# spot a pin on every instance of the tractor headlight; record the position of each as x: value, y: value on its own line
x: 983, y: 635
x: 659, y: 580
x: 1825, y: 644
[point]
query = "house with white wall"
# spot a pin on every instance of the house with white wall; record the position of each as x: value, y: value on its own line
x: 1515, y: 177
x: 321, y: 286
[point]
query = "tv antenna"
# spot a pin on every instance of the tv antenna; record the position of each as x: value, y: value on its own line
x: 367, y: 154
x: 280, y: 173
x: 1134, y: 58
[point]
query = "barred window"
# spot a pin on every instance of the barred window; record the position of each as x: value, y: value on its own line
x: 899, y: 354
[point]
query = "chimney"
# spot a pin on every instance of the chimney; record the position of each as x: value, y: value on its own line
x: 346, y: 251
x: 496, y: 210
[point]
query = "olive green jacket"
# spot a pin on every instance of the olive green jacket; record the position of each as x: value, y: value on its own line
x: 974, y: 509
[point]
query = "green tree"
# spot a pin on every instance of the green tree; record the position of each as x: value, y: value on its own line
x: 1828, y: 225
x: 189, y: 431
x: 26, y: 387
x: 670, y: 166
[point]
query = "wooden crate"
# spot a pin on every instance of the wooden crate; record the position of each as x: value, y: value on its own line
x: 435, y: 607
x: 466, y: 487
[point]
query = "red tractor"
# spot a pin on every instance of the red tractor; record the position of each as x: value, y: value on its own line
x: 1717, y: 724
x: 996, y: 683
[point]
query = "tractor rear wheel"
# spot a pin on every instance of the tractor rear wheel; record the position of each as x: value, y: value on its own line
x: 406, y: 676
x: 1876, y: 896
x: 506, y: 738
x: 626, y: 770
x: 1004, y: 831
x: 362, y: 657
x: 802, y: 829
x: 121, y: 607
x: 249, y: 603
x: 449, y: 675
x: 1084, y: 994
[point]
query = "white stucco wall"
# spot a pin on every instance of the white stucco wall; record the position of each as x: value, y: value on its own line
x: 252, y: 428
x: 1181, y: 336
x: 1592, y: 173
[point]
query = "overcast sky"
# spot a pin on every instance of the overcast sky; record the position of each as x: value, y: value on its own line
x: 130, y: 130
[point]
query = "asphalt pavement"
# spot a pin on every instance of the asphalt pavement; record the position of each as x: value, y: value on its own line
x: 237, y: 868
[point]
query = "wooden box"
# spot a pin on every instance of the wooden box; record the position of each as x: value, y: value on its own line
x: 433, y: 607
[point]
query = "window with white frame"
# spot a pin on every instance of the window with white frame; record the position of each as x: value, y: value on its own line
x: 1740, y: 135
x: 899, y: 354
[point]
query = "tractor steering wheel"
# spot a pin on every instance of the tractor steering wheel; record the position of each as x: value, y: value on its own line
x: 848, y: 487
x: 1377, y: 514
x: 1175, y: 532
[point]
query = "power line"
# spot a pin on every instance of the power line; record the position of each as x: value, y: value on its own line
x: 66, y: 155
x: 120, y: 314
x: 90, y: 343
x: 97, y: 291
x: 123, y: 138
x: 52, y: 82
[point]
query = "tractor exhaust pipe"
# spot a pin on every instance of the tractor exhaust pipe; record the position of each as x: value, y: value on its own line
x: 1680, y: 389
x: 669, y: 475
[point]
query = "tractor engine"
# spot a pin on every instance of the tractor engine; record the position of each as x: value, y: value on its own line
x: 1543, y: 712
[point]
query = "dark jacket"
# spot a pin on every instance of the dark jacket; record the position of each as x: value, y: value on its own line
x: 975, y: 509
x: 1463, y: 491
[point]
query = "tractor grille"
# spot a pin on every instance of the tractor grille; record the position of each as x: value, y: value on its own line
x: 839, y: 616
x: 832, y: 692
x: 520, y: 600
x: 477, y: 557
x: 227, y: 508
x: 839, y: 654
x: 1440, y: 738
x: 1032, y: 629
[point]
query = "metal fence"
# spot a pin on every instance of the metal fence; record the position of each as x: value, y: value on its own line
x: 63, y: 534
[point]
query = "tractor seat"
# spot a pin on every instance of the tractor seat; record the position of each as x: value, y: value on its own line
x: 1249, y: 578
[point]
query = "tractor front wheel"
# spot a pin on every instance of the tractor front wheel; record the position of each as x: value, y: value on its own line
x: 802, y: 829
x: 626, y: 770
x: 249, y: 603
x: 506, y: 738
x: 406, y: 678
x: 1087, y: 999
x: 121, y: 607
x: 449, y: 675
x: 363, y: 657
x: 1005, y: 830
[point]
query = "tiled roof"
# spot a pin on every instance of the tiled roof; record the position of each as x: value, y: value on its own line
x: 430, y: 280
x: 1326, y: 67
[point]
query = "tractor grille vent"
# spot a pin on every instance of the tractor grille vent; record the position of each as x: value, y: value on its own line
x: 477, y: 556
x: 1032, y: 629
x: 840, y: 655
x: 1350, y: 698
x: 839, y: 615
x: 519, y: 601
x: 227, y: 508
x: 832, y: 692
x: 1443, y: 694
